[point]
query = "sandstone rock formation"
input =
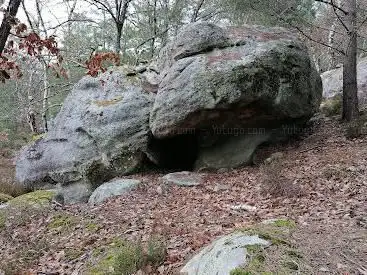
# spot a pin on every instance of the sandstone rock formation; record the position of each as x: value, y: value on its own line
x: 333, y: 82
x: 214, y: 96
x: 101, y: 132
x: 234, y: 88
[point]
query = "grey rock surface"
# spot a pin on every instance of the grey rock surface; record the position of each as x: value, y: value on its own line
x: 183, y: 179
x: 113, y: 188
x: 223, y: 255
x: 236, y: 88
x: 257, y: 76
x: 333, y: 82
x: 101, y: 132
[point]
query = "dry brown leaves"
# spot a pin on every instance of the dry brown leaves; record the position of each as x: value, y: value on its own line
x: 330, y: 169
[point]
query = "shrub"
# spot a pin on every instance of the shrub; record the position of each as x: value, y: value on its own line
x: 132, y: 256
x: 129, y: 259
x: 156, y: 251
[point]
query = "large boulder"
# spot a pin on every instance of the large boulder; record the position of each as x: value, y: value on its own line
x: 333, y: 82
x: 234, y: 89
x: 101, y: 132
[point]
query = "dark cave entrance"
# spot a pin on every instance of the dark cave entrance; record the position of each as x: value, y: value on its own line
x: 178, y: 153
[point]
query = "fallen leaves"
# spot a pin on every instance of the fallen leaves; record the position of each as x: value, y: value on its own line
x: 332, y: 177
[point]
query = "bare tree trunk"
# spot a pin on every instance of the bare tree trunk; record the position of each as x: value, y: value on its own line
x: 350, y: 88
x: 331, y: 41
x: 155, y: 29
x: 119, y: 27
x: 45, y: 98
x: 5, y: 27
x: 31, y: 115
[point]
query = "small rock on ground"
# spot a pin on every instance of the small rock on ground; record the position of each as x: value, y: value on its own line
x: 223, y: 255
x: 183, y: 179
x: 113, y: 188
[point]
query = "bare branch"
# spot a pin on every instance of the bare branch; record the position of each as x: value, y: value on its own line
x: 72, y: 20
x: 338, y: 16
x: 333, y: 5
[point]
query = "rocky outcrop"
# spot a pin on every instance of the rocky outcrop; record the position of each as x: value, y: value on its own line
x: 101, y: 132
x: 333, y: 82
x: 213, y: 97
x: 231, y: 88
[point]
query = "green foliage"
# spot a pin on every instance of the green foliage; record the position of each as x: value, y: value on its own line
x: 239, y: 271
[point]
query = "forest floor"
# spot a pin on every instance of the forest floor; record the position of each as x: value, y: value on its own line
x: 322, y: 181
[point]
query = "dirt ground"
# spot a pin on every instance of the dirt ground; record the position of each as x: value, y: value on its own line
x: 328, y: 172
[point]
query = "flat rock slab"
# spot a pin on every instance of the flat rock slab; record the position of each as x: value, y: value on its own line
x: 187, y: 179
x: 112, y: 189
x: 223, y: 255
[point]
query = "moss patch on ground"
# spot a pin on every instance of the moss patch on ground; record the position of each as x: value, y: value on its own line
x: 126, y: 257
x: 62, y: 222
x: 2, y: 220
x: 5, y: 198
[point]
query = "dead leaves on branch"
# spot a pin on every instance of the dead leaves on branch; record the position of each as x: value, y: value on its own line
x: 98, y: 62
x: 32, y: 45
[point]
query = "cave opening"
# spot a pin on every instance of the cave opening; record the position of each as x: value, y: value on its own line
x: 177, y: 153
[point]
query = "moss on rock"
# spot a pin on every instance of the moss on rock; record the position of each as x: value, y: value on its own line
x: 40, y: 197
x: 281, y: 257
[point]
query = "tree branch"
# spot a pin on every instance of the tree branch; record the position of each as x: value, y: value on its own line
x: 333, y: 5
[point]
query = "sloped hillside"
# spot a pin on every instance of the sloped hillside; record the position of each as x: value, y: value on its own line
x: 320, y: 184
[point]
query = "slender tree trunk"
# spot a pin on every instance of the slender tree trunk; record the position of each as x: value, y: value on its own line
x: 46, y: 90
x: 331, y: 51
x: 31, y: 114
x: 350, y: 88
x: 5, y: 27
x: 155, y: 29
x: 331, y: 41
